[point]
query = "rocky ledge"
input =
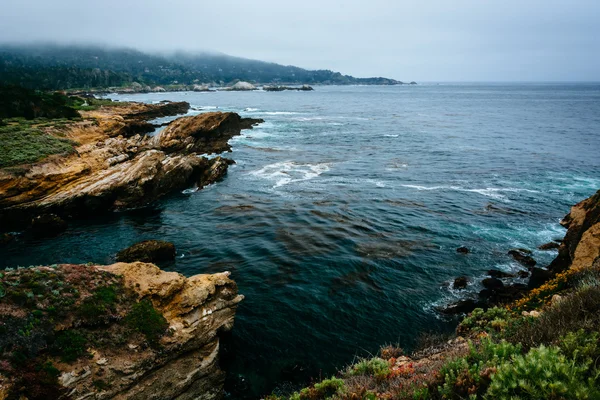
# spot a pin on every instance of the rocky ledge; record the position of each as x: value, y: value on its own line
x: 579, y: 249
x: 116, y: 166
x: 123, y: 331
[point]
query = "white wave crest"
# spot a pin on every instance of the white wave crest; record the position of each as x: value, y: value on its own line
x: 287, y: 172
x: 489, y: 192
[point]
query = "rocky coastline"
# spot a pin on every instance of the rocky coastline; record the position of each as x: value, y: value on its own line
x: 541, y: 342
x: 122, y: 331
x: 115, y: 165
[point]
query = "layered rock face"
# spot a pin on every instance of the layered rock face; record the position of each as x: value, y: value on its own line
x: 113, y: 173
x: 123, y: 331
x: 197, y: 309
x: 581, y: 245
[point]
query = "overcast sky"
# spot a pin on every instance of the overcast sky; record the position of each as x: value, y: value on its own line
x: 422, y: 40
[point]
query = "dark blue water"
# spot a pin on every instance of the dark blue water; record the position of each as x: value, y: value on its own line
x: 341, y: 218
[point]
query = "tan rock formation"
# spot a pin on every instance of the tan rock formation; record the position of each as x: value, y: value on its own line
x: 120, y: 362
x: 112, y: 173
x: 581, y: 245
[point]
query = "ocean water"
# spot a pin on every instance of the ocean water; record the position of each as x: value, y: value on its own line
x: 341, y: 217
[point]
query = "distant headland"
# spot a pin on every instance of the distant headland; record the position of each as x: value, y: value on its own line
x: 55, y: 67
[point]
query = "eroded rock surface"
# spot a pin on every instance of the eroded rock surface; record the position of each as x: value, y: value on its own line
x: 113, y: 173
x: 108, y: 352
x: 581, y: 245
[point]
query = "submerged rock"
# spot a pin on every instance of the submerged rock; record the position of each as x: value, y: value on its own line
x: 47, y: 225
x: 521, y: 256
x: 462, y: 307
x: 462, y: 250
x: 492, y: 283
x: 495, y: 273
x: 148, y: 251
x: 460, y: 282
x: 549, y: 246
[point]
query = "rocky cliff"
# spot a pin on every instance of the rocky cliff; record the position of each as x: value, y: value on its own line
x: 115, y: 167
x: 123, y: 331
x: 581, y: 245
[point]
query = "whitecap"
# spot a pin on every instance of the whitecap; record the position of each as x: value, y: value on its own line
x: 250, y: 109
x: 280, y: 113
x: 391, y: 135
x: 287, y: 172
x: 488, y: 192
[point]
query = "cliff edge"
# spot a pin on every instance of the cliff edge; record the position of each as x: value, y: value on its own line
x: 123, y: 331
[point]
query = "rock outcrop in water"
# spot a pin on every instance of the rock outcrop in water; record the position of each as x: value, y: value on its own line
x: 114, y: 173
x: 581, y: 244
x: 579, y: 249
x: 148, y: 251
x: 123, y: 331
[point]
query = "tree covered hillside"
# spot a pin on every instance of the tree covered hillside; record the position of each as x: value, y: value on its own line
x: 82, y: 67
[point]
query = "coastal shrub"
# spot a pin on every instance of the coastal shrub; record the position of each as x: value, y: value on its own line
x: 568, y: 279
x: 144, y: 318
x: 37, y: 382
x: 95, y: 308
x: 543, y: 373
x: 577, y: 310
x: 376, y: 367
x: 22, y: 145
x: 69, y: 345
x: 470, y: 375
x: 322, y: 390
x: 492, y: 320
x: 581, y: 346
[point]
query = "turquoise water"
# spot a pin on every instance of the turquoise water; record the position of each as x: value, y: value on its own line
x: 340, y: 220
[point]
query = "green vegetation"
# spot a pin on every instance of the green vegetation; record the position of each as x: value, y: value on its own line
x: 53, y: 313
x: 146, y: 320
x: 92, y: 104
x: 69, y: 345
x: 553, y: 353
x: 543, y: 373
x: 23, y: 144
x: 17, y: 101
x: 375, y: 367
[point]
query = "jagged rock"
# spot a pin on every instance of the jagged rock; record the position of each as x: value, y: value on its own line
x: 148, y: 251
x: 494, y: 273
x: 162, y: 109
x: 462, y: 250
x: 521, y: 256
x: 215, y: 172
x: 182, y: 364
x: 249, y: 123
x: 203, y: 133
x: 581, y: 244
x: 492, y: 283
x: 47, y: 225
x: 462, y: 307
x: 6, y: 238
x: 538, y: 277
x: 523, y: 274
x: 115, y: 173
x: 460, y: 282
x: 549, y: 246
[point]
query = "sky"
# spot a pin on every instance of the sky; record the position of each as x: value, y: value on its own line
x: 421, y: 40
